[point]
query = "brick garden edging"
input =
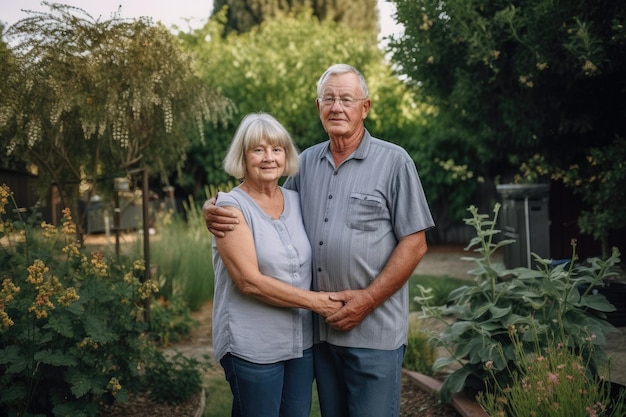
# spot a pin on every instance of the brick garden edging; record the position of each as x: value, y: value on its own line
x: 465, y: 406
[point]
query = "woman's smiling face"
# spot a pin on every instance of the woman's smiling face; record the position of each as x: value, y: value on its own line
x: 265, y: 162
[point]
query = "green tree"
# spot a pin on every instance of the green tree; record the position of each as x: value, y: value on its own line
x: 7, y: 69
x: 514, y: 79
x: 243, y: 15
x: 272, y: 68
x: 88, y: 98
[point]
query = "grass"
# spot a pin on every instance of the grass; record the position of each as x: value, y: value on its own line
x: 218, y: 401
x: 218, y: 396
x: 182, y: 254
x: 441, y: 286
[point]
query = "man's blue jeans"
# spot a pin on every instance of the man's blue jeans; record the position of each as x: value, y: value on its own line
x: 270, y: 390
x: 354, y: 382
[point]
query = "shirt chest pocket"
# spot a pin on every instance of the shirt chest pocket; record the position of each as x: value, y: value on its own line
x: 363, y: 211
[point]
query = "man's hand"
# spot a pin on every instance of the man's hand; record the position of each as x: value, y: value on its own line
x: 357, y: 305
x: 218, y: 219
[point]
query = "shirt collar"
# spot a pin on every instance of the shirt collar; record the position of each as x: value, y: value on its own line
x: 360, y: 153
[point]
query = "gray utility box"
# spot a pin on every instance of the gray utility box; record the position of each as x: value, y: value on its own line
x: 524, y: 218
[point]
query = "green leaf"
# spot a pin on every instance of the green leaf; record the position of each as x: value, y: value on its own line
x: 96, y: 328
x: 454, y: 383
x: 443, y: 362
x: 597, y: 302
x: 83, y: 383
x: 81, y: 408
x: 11, y: 393
x: 55, y: 358
x: 61, y: 324
x: 497, y: 312
x: 14, y: 359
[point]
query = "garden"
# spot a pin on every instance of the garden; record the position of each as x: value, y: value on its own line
x: 83, y: 331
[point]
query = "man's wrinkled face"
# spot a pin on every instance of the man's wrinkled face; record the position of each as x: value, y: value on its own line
x: 342, y: 106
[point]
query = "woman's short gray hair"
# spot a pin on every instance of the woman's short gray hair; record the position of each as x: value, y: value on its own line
x: 254, y: 128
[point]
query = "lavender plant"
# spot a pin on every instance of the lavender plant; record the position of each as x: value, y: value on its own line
x: 552, y: 381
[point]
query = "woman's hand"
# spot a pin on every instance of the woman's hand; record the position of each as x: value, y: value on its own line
x: 325, y: 306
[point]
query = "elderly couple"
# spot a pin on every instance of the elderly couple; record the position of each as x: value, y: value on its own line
x: 311, y: 277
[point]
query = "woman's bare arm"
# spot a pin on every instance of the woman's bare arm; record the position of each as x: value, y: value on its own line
x: 239, y: 255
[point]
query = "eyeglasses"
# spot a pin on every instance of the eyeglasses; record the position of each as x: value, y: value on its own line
x: 344, y: 101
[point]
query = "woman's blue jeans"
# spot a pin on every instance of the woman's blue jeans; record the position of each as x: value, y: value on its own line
x: 354, y: 382
x: 281, y: 389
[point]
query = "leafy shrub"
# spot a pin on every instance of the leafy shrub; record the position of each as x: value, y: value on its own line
x: 72, y: 329
x: 500, y: 301
x: 170, y: 320
x: 173, y: 380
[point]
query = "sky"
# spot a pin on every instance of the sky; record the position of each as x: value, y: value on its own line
x: 186, y: 14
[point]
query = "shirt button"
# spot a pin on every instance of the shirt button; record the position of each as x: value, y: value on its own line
x: 321, y: 242
x: 319, y: 269
x: 330, y: 197
x: 326, y: 219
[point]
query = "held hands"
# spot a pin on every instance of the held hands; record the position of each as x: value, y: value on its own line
x: 326, y: 305
x: 218, y: 219
x: 357, y: 304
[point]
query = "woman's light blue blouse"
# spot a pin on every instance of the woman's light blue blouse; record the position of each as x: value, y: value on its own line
x: 249, y: 328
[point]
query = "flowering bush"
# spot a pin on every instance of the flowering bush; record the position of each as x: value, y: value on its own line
x: 551, y: 381
x: 72, y: 329
x: 558, y: 301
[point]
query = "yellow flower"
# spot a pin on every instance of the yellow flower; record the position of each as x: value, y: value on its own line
x: 139, y: 265
x: 6, y: 296
x: 71, y: 249
x: 88, y: 342
x: 68, y: 297
x: 147, y: 289
x: 69, y: 227
x: 114, y: 385
x: 5, y: 193
x: 49, y: 230
x: 36, y: 272
x: 99, y: 265
x: 128, y: 277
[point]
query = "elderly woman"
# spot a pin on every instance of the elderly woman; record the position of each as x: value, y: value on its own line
x: 262, y: 320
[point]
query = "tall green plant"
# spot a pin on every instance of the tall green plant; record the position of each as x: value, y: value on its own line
x: 183, y: 254
x: 556, y: 300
